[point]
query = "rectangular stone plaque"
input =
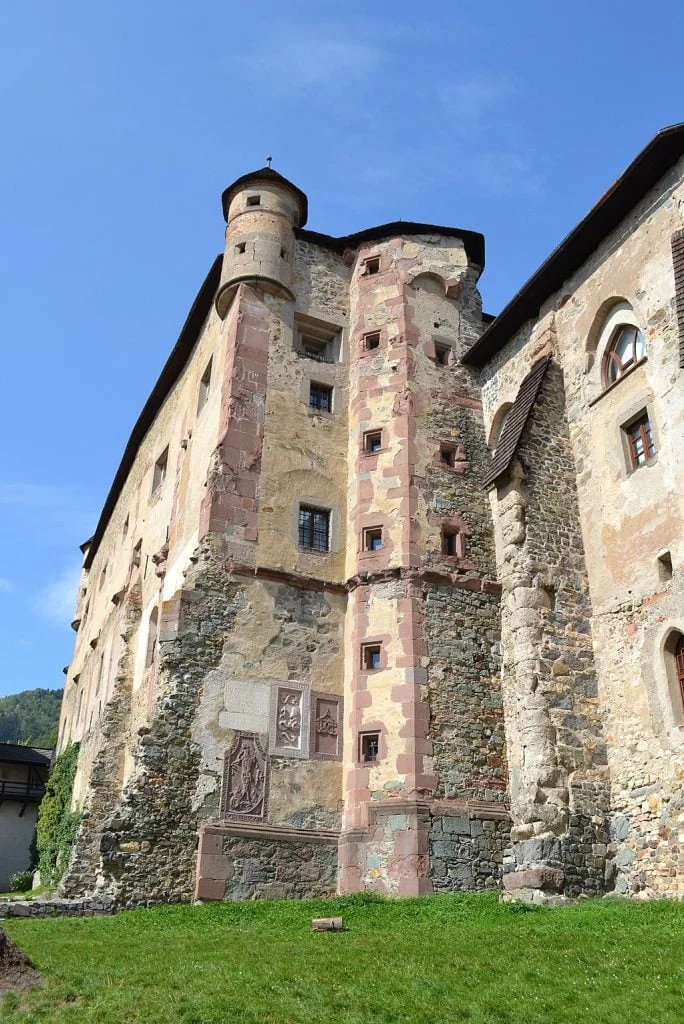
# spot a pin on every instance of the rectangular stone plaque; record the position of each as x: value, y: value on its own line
x: 288, y: 732
x: 244, y: 793
x: 326, y: 727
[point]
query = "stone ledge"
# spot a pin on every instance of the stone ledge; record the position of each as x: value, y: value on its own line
x: 87, y: 907
x: 547, y: 879
x: 262, y: 830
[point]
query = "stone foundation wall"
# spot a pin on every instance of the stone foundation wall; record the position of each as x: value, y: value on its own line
x: 236, y: 863
x: 467, y: 852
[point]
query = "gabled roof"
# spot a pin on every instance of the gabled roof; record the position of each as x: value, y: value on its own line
x: 662, y: 152
x: 15, y: 753
x: 516, y: 419
x: 168, y: 377
x: 272, y: 177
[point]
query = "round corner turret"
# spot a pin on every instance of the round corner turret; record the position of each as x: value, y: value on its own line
x: 262, y: 211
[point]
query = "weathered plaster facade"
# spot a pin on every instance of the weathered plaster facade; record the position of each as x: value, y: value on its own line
x: 265, y: 711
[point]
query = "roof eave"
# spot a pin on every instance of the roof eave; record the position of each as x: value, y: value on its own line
x: 652, y: 163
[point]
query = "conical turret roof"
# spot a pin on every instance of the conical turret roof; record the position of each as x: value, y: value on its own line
x: 268, y: 175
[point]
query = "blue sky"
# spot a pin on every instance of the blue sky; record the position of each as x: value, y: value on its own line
x: 123, y: 122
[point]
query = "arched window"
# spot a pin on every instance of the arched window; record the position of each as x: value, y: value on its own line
x: 626, y: 348
x: 498, y: 424
x: 674, y: 664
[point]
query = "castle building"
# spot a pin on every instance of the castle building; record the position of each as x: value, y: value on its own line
x: 387, y: 593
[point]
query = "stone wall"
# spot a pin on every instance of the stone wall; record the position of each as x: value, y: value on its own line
x: 146, y: 842
x: 556, y: 749
x: 237, y: 863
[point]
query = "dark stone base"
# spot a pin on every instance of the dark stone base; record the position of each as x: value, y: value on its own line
x: 240, y: 861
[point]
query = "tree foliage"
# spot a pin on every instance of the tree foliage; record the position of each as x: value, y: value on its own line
x: 57, y: 823
x: 30, y: 717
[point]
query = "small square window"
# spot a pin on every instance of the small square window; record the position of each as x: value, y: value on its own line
x: 124, y: 530
x: 370, y: 657
x: 254, y: 200
x: 449, y: 542
x: 639, y: 438
x: 240, y: 248
x: 442, y: 353
x: 314, y: 528
x: 371, y: 341
x: 372, y: 266
x: 369, y: 747
x: 159, y: 473
x: 372, y: 442
x: 283, y: 254
x: 447, y: 455
x: 320, y: 397
x: 204, y: 385
x: 372, y: 538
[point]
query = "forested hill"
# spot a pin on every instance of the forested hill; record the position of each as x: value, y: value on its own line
x: 30, y: 717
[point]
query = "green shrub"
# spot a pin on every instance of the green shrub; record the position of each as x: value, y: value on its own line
x: 57, y: 823
x: 21, y: 881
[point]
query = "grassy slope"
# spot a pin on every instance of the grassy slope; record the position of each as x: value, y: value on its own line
x: 437, y: 959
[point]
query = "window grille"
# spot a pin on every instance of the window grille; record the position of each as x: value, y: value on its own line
x: 320, y: 397
x: 314, y: 528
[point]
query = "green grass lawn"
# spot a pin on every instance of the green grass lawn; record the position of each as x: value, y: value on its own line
x: 434, y: 960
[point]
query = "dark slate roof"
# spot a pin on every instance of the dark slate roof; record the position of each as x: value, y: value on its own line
x: 13, y: 753
x: 473, y: 241
x: 662, y: 152
x: 169, y: 375
x: 266, y: 174
x: 516, y: 420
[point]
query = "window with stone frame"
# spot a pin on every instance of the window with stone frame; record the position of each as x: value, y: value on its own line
x: 625, y: 349
x: 371, y: 657
x: 372, y: 538
x: 314, y: 528
x: 442, y: 353
x: 204, y: 386
x: 372, y: 442
x: 320, y: 397
x: 152, y: 634
x: 317, y: 340
x: 160, y: 470
x: 639, y: 440
x: 369, y: 747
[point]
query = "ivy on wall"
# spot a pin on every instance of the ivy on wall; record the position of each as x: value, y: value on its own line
x: 57, y: 823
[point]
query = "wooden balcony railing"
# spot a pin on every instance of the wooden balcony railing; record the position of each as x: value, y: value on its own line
x: 31, y: 791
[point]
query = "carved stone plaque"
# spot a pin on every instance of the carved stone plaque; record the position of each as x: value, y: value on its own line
x: 326, y: 726
x: 288, y: 733
x: 244, y: 794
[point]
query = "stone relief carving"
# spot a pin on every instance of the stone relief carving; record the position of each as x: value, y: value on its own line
x: 288, y: 726
x: 245, y: 779
x: 326, y: 726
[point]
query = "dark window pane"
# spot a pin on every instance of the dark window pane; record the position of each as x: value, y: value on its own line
x: 320, y: 397
x: 314, y: 528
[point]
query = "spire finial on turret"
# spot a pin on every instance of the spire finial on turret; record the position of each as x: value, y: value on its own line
x: 268, y: 159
